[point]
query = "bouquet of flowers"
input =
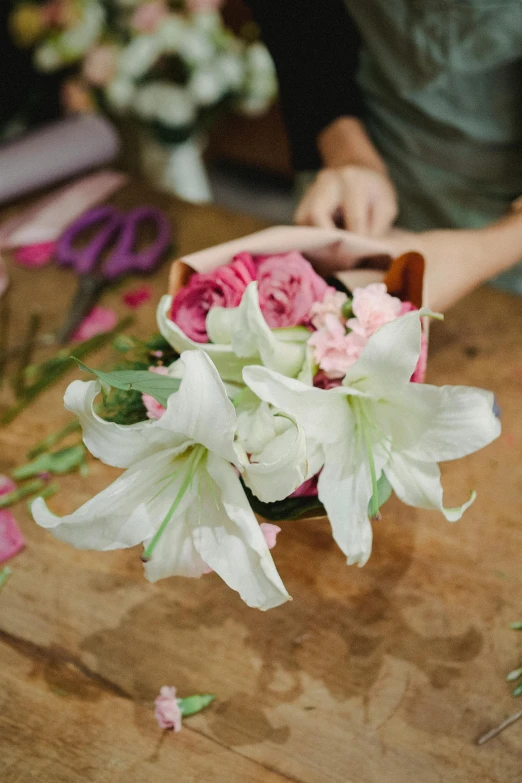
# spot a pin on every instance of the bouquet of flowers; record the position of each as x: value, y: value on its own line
x: 168, y: 64
x: 277, y: 389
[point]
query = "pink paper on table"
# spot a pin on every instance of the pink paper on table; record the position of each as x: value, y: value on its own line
x: 46, y: 220
x: 11, y: 539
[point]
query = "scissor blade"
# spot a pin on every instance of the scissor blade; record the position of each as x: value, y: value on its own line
x: 87, y: 294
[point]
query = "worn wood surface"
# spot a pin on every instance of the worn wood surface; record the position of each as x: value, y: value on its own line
x: 385, y: 674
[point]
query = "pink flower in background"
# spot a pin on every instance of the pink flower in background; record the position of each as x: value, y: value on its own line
x: 373, y: 307
x: 137, y: 296
x: 100, y: 64
x: 288, y: 287
x: 200, y: 6
x: 155, y: 409
x: 147, y: 16
x: 35, y: 255
x: 11, y: 539
x: 99, y: 320
x: 334, y: 350
x: 167, y: 711
x: 331, y: 304
x: 223, y: 287
x: 407, y: 307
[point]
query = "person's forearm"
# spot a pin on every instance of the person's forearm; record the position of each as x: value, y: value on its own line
x: 502, y: 245
x: 345, y: 142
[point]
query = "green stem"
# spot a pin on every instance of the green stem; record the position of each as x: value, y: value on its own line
x: 21, y: 492
x: 59, y: 365
x: 192, y: 465
x: 5, y: 573
x: 54, y: 438
x: 47, y: 492
x: 18, y: 382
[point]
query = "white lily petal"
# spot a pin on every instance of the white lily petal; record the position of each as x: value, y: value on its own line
x: 316, y: 410
x: 228, y: 537
x: 280, y: 468
x: 220, y: 323
x: 390, y: 356
x: 119, y: 445
x: 227, y: 363
x: 461, y: 421
x: 122, y: 515
x: 251, y: 336
x: 256, y: 423
x: 345, y: 489
x: 418, y: 484
x: 201, y: 410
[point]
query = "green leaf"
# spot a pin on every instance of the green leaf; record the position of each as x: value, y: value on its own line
x: 158, y: 386
x: 62, y: 461
x: 518, y: 691
x: 516, y: 674
x: 516, y: 626
x: 5, y: 573
x: 196, y: 703
x: 384, y: 491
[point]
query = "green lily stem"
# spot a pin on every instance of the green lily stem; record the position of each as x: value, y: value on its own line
x: 21, y: 492
x: 54, y: 438
x: 26, y: 352
x: 5, y: 573
x: 47, y: 492
x: 59, y: 365
x: 192, y: 465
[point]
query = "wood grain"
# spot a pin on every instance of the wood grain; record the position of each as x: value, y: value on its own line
x: 387, y: 673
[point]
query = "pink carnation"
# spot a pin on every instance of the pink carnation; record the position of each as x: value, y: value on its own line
x: 223, y: 287
x: 373, y: 307
x: 155, y: 409
x: 147, y: 16
x: 167, y: 711
x: 288, y: 287
x: 331, y: 304
x: 334, y: 350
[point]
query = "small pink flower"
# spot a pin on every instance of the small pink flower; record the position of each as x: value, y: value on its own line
x: 155, y: 409
x: 223, y: 287
x: 331, y: 304
x: 334, y: 350
x: 167, y: 711
x: 35, y: 255
x: 373, y: 307
x: 407, y: 307
x: 288, y: 287
x: 308, y: 489
x: 11, y: 539
x: 137, y: 296
x: 147, y: 16
x: 100, y: 64
x: 99, y: 320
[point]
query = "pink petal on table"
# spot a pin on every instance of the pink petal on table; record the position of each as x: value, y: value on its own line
x: 6, y: 485
x: 35, y: 255
x: 11, y: 539
x: 99, y: 320
x: 137, y: 296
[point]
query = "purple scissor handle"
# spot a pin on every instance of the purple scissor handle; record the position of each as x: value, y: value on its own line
x: 95, y: 272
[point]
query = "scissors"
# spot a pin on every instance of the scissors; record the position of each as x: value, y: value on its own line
x: 117, y: 229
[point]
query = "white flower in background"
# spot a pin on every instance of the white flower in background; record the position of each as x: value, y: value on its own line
x: 166, y: 103
x: 79, y: 38
x: 138, y: 56
x: 196, y: 48
x: 208, y: 21
x: 120, y: 93
x: 47, y: 57
x: 171, y: 32
x: 206, y: 85
x: 180, y: 493
x: 378, y: 422
x: 259, y: 62
x: 230, y: 67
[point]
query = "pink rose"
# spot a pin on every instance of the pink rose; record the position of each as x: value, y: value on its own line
x: 155, y: 409
x: 223, y: 287
x: 147, y: 16
x: 373, y: 307
x: 334, y: 350
x: 331, y: 304
x: 99, y: 65
x: 167, y: 711
x: 288, y: 287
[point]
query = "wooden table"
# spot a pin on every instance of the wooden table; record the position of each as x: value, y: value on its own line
x: 385, y: 674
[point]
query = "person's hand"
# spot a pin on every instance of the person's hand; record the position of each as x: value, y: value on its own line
x: 357, y: 197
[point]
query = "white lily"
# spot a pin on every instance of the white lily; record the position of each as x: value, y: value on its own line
x: 181, y: 494
x: 240, y: 336
x: 378, y: 422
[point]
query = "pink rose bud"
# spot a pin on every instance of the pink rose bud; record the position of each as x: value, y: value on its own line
x: 155, y: 409
x: 167, y: 711
x: 288, y: 287
x: 223, y: 287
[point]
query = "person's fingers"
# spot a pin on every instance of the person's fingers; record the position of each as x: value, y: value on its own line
x: 382, y: 214
x: 317, y: 207
x: 355, y: 209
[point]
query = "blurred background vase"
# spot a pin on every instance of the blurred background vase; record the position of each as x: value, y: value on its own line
x: 176, y: 167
